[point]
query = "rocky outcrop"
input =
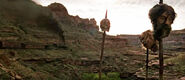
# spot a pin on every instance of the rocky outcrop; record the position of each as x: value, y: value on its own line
x: 61, y: 14
x: 116, y: 42
x: 182, y: 78
x: 5, y: 61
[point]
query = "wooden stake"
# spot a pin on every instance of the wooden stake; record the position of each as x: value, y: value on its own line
x: 161, y: 54
x: 161, y: 2
x: 101, y: 56
x: 147, y: 55
x: 161, y: 59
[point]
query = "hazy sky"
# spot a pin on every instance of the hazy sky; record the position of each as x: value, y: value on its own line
x: 126, y: 16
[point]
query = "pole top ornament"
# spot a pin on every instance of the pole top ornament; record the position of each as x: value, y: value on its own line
x: 105, y: 23
x: 161, y: 16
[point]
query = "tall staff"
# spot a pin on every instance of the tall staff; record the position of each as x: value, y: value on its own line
x: 105, y: 26
x: 147, y: 55
x: 148, y: 41
x: 161, y: 60
x: 161, y: 2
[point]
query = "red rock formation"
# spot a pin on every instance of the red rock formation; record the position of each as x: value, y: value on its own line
x: 10, y: 44
x: 34, y: 46
x: 116, y: 42
x: 61, y: 14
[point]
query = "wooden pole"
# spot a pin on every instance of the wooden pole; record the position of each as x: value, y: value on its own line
x: 101, y: 56
x: 161, y: 54
x: 147, y: 55
x: 161, y: 2
x: 161, y: 59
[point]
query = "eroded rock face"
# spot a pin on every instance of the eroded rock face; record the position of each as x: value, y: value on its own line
x: 183, y: 78
x: 61, y: 14
x: 116, y: 42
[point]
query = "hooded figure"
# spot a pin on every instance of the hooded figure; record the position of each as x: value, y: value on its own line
x: 162, y: 16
